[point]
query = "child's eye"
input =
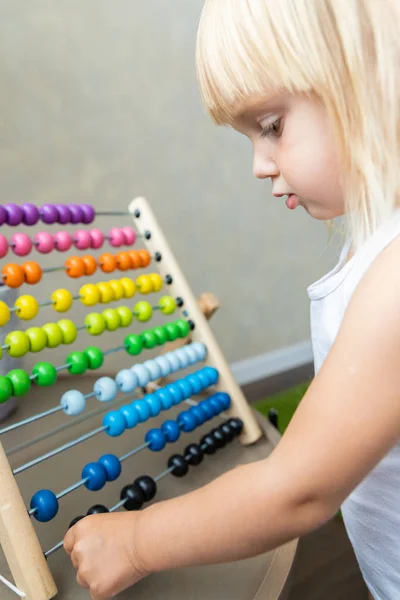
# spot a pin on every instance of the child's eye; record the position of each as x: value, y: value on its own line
x: 273, y: 129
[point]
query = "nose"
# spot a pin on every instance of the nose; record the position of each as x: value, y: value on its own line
x: 264, y: 167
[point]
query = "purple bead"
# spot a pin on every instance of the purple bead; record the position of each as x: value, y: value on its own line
x: 88, y: 213
x: 3, y: 215
x: 49, y: 214
x: 64, y: 214
x: 31, y: 214
x: 14, y: 214
x: 76, y: 213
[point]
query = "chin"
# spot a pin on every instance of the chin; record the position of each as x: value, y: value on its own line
x: 321, y: 213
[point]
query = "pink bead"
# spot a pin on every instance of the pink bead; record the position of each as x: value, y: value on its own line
x: 116, y: 237
x: 44, y: 242
x: 82, y: 239
x: 96, y: 238
x: 62, y: 241
x: 21, y: 244
x: 3, y: 246
x: 129, y: 236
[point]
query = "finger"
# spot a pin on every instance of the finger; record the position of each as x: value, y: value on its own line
x: 74, y: 560
x: 82, y: 581
x: 69, y: 540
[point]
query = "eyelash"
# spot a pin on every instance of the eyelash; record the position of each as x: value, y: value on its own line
x: 270, y: 131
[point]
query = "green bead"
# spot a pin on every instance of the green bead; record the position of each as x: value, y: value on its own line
x: 20, y: 382
x: 45, y: 374
x: 77, y: 363
x: 111, y: 318
x: 6, y: 389
x: 172, y: 331
x: 125, y: 315
x: 161, y: 335
x: 94, y: 323
x: 54, y: 334
x: 68, y: 329
x: 143, y: 311
x: 149, y: 339
x: 94, y: 356
x: 167, y: 305
x: 18, y: 343
x: 183, y: 327
x: 133, y: 344
x: 37, y: 339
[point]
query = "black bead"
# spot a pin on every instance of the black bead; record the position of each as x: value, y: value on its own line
x: 180, y: 466
x: 148, y: 487
x: 134, y: 496
x: 236, y: 425
x: 191, y: 324
x: 168, y: 279
x: 97, y: 509
x: 137, y: 213
x: 158, y: 256
x: 208, y: 444
x: 179, y: 302
x: 147, y: 235
x: 229, y: 435
x: 273, y: 417
x: 193, y: 454
x: 218, y: 437
x: 75, y: 521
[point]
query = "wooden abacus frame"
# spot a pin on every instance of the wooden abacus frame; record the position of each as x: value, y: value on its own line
x: 18, y: 538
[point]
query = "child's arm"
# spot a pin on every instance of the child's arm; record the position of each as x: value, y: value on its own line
x: 348, y: 420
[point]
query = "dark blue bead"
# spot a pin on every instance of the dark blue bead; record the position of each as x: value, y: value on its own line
x: 185, y: 387
x: 195, y: 383
x: 207, y: 409
x: 115, y: 423
x: 112, y: 465
x: 171, y: 430
x: 156, y: 438
x: 96, y: 476
x: 224, y: 399
x: 199, y: 414
x: 130, y: 414
x: 166, y: 398
x: 209, y: 406
x: 46, y: 505
x: 212, y: 374
x: 143, y: 410
x: 214, y: 401
x: 187, y: 421
x: 175, y: 392
x: 153, y: 403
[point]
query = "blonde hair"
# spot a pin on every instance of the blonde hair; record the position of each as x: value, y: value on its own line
x: 347, y: 52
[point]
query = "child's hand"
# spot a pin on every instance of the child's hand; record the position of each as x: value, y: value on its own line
x: 102, y: 550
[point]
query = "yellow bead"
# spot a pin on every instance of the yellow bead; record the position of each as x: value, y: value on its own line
x: 4, y: 314
x: 62, y: 300
x: 90, y: 294
x: 118, y: 289
x: 129, y: 287
x: 156, y: 281
x: 106, y: 292
x: 144, y: 284
x: 27, y: 307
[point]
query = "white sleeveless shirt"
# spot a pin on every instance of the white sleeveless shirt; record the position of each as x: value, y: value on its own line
x: 372, y: 511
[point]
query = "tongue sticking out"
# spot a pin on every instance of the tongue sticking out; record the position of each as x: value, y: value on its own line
x: 292, y: 201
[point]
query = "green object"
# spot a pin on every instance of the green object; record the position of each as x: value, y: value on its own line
x: 172, y: 331
x: 68, y: 329
x: 94, y: 323
x: 125, y: 315
x: 5, y: 389
x: 161, y: 335
x: 149, y: 338
x: 20, y: 382
x: 18, y: 343
x: 77, y: 363
x: 143, y: 311
x: 111, y: 318
x: 37, y: 339
x: 167, y: 305
x: 94, y: 356
x: 54, y: 334
x: 285, y: 403
x: 183, y: 327
x: 46, y: 374
x: 133, y: 344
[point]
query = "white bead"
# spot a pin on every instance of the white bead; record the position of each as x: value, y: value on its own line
x: 126, y: 380
x: 105, y: 389
x: 73, y: 402
x: 142, y: 374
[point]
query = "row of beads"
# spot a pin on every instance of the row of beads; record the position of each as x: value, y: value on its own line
x: 44, y: 242
x: 18, y: 382
x: 27, y: 307
x: 29, y: 214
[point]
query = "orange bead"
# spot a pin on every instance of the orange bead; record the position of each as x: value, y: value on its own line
x: 74, y: 266
x: 145, y: 257
x: 124, y: 261
x: 33, y: 272
x: 90, y: 264
x: 136, y: 263
x: 108, y: 262
x: 13, y: 275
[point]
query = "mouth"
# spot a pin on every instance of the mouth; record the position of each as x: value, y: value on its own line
x: 292, y: 201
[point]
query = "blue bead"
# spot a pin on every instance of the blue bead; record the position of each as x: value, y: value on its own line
x: 126, y: 381
x: 164, y: 366
x: 212, y: 374
x: 154, y: 404
x: 153, y: 368
x: 208, y: 405
x: 198, y: 414
x: 114, y: 423
x: 165, y: 397
x: 130, y: 415
x: 112, y: 465
x: 142, y: 374
x: 200, y: 350
x: 156, y: 438
x: 185, y: 387
x: 195, y: 383
x: 191, y: 354
x: 173, y: 361
x: 105, y: 389
x: 187, y: 421
x: 224, y: 399
x: 96, y: 476
x: 73, y: 402
x: 46, y: 504
x: 216, y: 404
x: 175, y: 392
x: 182, y: 357
x: 171, y: 430
x: 143, y: 410
x: 207, y: 409
x: 203, y: 378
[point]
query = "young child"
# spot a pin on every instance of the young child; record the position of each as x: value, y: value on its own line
x: 315, y: 86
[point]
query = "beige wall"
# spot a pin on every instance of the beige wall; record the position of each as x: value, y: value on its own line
x: 99, y: 103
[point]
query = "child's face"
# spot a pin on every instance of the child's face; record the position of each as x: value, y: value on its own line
x: 294, y: 147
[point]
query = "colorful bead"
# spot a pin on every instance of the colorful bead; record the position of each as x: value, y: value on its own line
x: 62, y: 300
x: 224, y: 399
x: 48, y: 214
x: 106, y: 292
x: 187, y: 421
x: 130, y: 414
x: 182, y: 357
x: 129, y: 287
x: 13, y: 275
x: 163, y: 365
x: 63, y: 214
x: 111, y: 318
x: 144, y: 284
x: 154, y: 404
x: 96, y: 476
x: 3, y: 246
x: 44, y: 242
x: 126, y: 380
x: 125, y: 316
x: 112, y: 465
x: 143, y: 311
x: 156, y: 439
x: 212, y: 374
x: 129, y: 236
x: 74, y: 266
x: 82, y: 239
x: 62, y: 241
x: 45, y: 374
x: 94, y: 323
x: 77, y: 363
x: 76, y: 214
x: 95, y: 357
x: 89, y: 294
x: 152, y: 366
x: 88, y: 213
x: 15, y: 214
x: 195, y: 383
x: 171, y: 431
x: 142, y: 374
x: 145, y: 257
x: 3, y: 215
x: 118, y: 289
x: 20, y: 382
x: 173, y: 361
x: 5, y: 389
x: 114, y: 423
x: 107, y: 262
x: 96, y: 239
x: 165, y: 397
x: 116, y: 237
x: 136, y: 263
x: 124, y: 261
x: 18, y: 344
x: 73, y: 402
x: 156, y: 281
x: 175, y: 391
x: 31, y: 214
x: 32, y: 272
x: 105, y: 389
x: 142, y: 409
x: 183, y: 327
x: 133, y: 344
x: 90, y: 264
x: 5, y: 314
x: 37, y: 339
x: 191, y: 355
x: 45, y: 504
x: 69, y: 331
x: 172, y: 331
x: 160, y: 334
x: 21, y: 244
x: 167, y: 305
x: 54, y: 334
x: 27, y: 307
x: 185, y: 387
x: 149, y: 339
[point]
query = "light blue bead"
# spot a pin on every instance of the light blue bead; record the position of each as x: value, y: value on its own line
x: 153, y: 368
x: 114, y: 423
x: 142, y: 374
x: 185, y: 387
x: 164, y: 365
x: 200, y: 350
x: 156, y: 438
x: 73, y: 402
x: 182, y: 357
x: 96, y: 476
x: 191, y: 354
x: 126, y: 381
x: 165, y: 397
x: 105, y: 389
x: 173, y: 361
x: 130, y: 415
x: 154, y: 403
x: 171, y: 431
x: 46, y: 504
x: 143, y: 410
x: 175, y: 392
x: 203, y: 378
x: 195, y: 383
